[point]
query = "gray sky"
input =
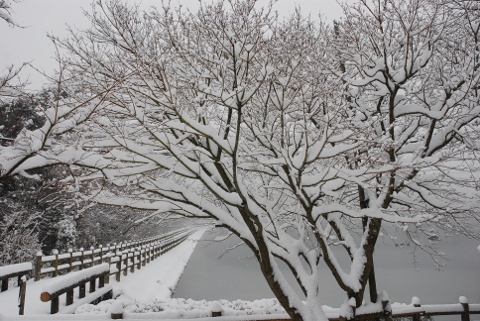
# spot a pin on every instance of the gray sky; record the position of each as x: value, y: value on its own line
x: 39, y: 17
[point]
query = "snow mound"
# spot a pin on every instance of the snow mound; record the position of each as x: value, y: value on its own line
x: 188, y: 308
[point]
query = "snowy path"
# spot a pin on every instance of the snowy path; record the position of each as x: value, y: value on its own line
x: 158, y: 279
x: 155, y: 280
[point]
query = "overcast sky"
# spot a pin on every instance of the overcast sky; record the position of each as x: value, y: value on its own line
x: 39, y: 17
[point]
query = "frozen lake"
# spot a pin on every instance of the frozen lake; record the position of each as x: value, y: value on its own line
x: 237, y: 276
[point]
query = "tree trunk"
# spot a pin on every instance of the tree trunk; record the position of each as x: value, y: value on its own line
x: 372, y: 284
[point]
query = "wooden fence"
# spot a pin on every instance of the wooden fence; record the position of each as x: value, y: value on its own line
x: 19, y: 271
x: 414, y: 311
x: 66, y: 284
x: 122, y: 257
x: 463, y: 308
x: 96, y: 264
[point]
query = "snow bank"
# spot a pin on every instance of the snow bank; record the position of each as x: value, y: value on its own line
x: 188, y: 308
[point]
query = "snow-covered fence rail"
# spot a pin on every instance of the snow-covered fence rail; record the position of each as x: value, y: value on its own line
x: 66, y: 284
x: 415, y: 311
x: 462, y: 308
x: 12, y: 271
x: 130, y: 253
x: 20, y: 271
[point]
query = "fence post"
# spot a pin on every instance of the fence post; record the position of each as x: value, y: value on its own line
x: 82, y: 258
x: 132, y: 260
x: 125, y: 271
x: 101, y: 281
x: 119, y: 266
x: 101, y: 254
x: 216, y: 309
x: 21, y: 295
x: 106, y: 278
x: 54, y: 305
x: 70, y: 260
x: 38, y: 265
x: 70, y: 297
x: 92, y: 285
x: 116, y: 310
x: 466, y: 313
x: 158, y: 249
x: 144, y: 256
x: 81, y: 290
x: 387, y: 310
x: 139, y: 258
x: 55, y: 263
x: 109, y: 258
x: 92, y: 255
x: 4, y: 285
x: 416, y: 303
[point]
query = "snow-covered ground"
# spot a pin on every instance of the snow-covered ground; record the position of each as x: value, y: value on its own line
x: 155, y: 281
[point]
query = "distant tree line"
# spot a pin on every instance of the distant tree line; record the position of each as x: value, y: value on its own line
x: 44, y: 212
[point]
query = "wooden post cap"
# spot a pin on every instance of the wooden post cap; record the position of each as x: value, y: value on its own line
x: 45, y: 297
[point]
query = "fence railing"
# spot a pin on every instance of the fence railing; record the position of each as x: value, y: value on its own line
x: 463, y: 308
x: 88, y: 267
x: 19, y: 271
x: 415, y: 311
x: 66, y: 284
x: 13, y: 271
x: 128, y: 255
x: 126, y: 261
x: 383, y: 311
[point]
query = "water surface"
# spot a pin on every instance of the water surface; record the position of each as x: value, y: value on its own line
x: 236, y: 275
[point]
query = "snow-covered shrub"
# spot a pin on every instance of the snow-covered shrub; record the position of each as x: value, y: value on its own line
x: 188, y: 308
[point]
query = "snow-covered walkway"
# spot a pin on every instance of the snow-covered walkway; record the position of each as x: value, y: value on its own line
x: 156, y: 280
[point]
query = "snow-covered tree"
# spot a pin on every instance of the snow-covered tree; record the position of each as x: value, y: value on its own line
x: 16, y: 115
x: 298, y: 137
x: 18, y: 233
x: 103, y: 224
x: 411, y: 75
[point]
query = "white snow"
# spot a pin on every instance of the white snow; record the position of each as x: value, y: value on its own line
x: 56, y: 284
x: 216, y: 306
x: 188, y: 308
x: 157, y: 280
x: 415, y: 301
x: 15, y: 268
x: 116, y: 307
